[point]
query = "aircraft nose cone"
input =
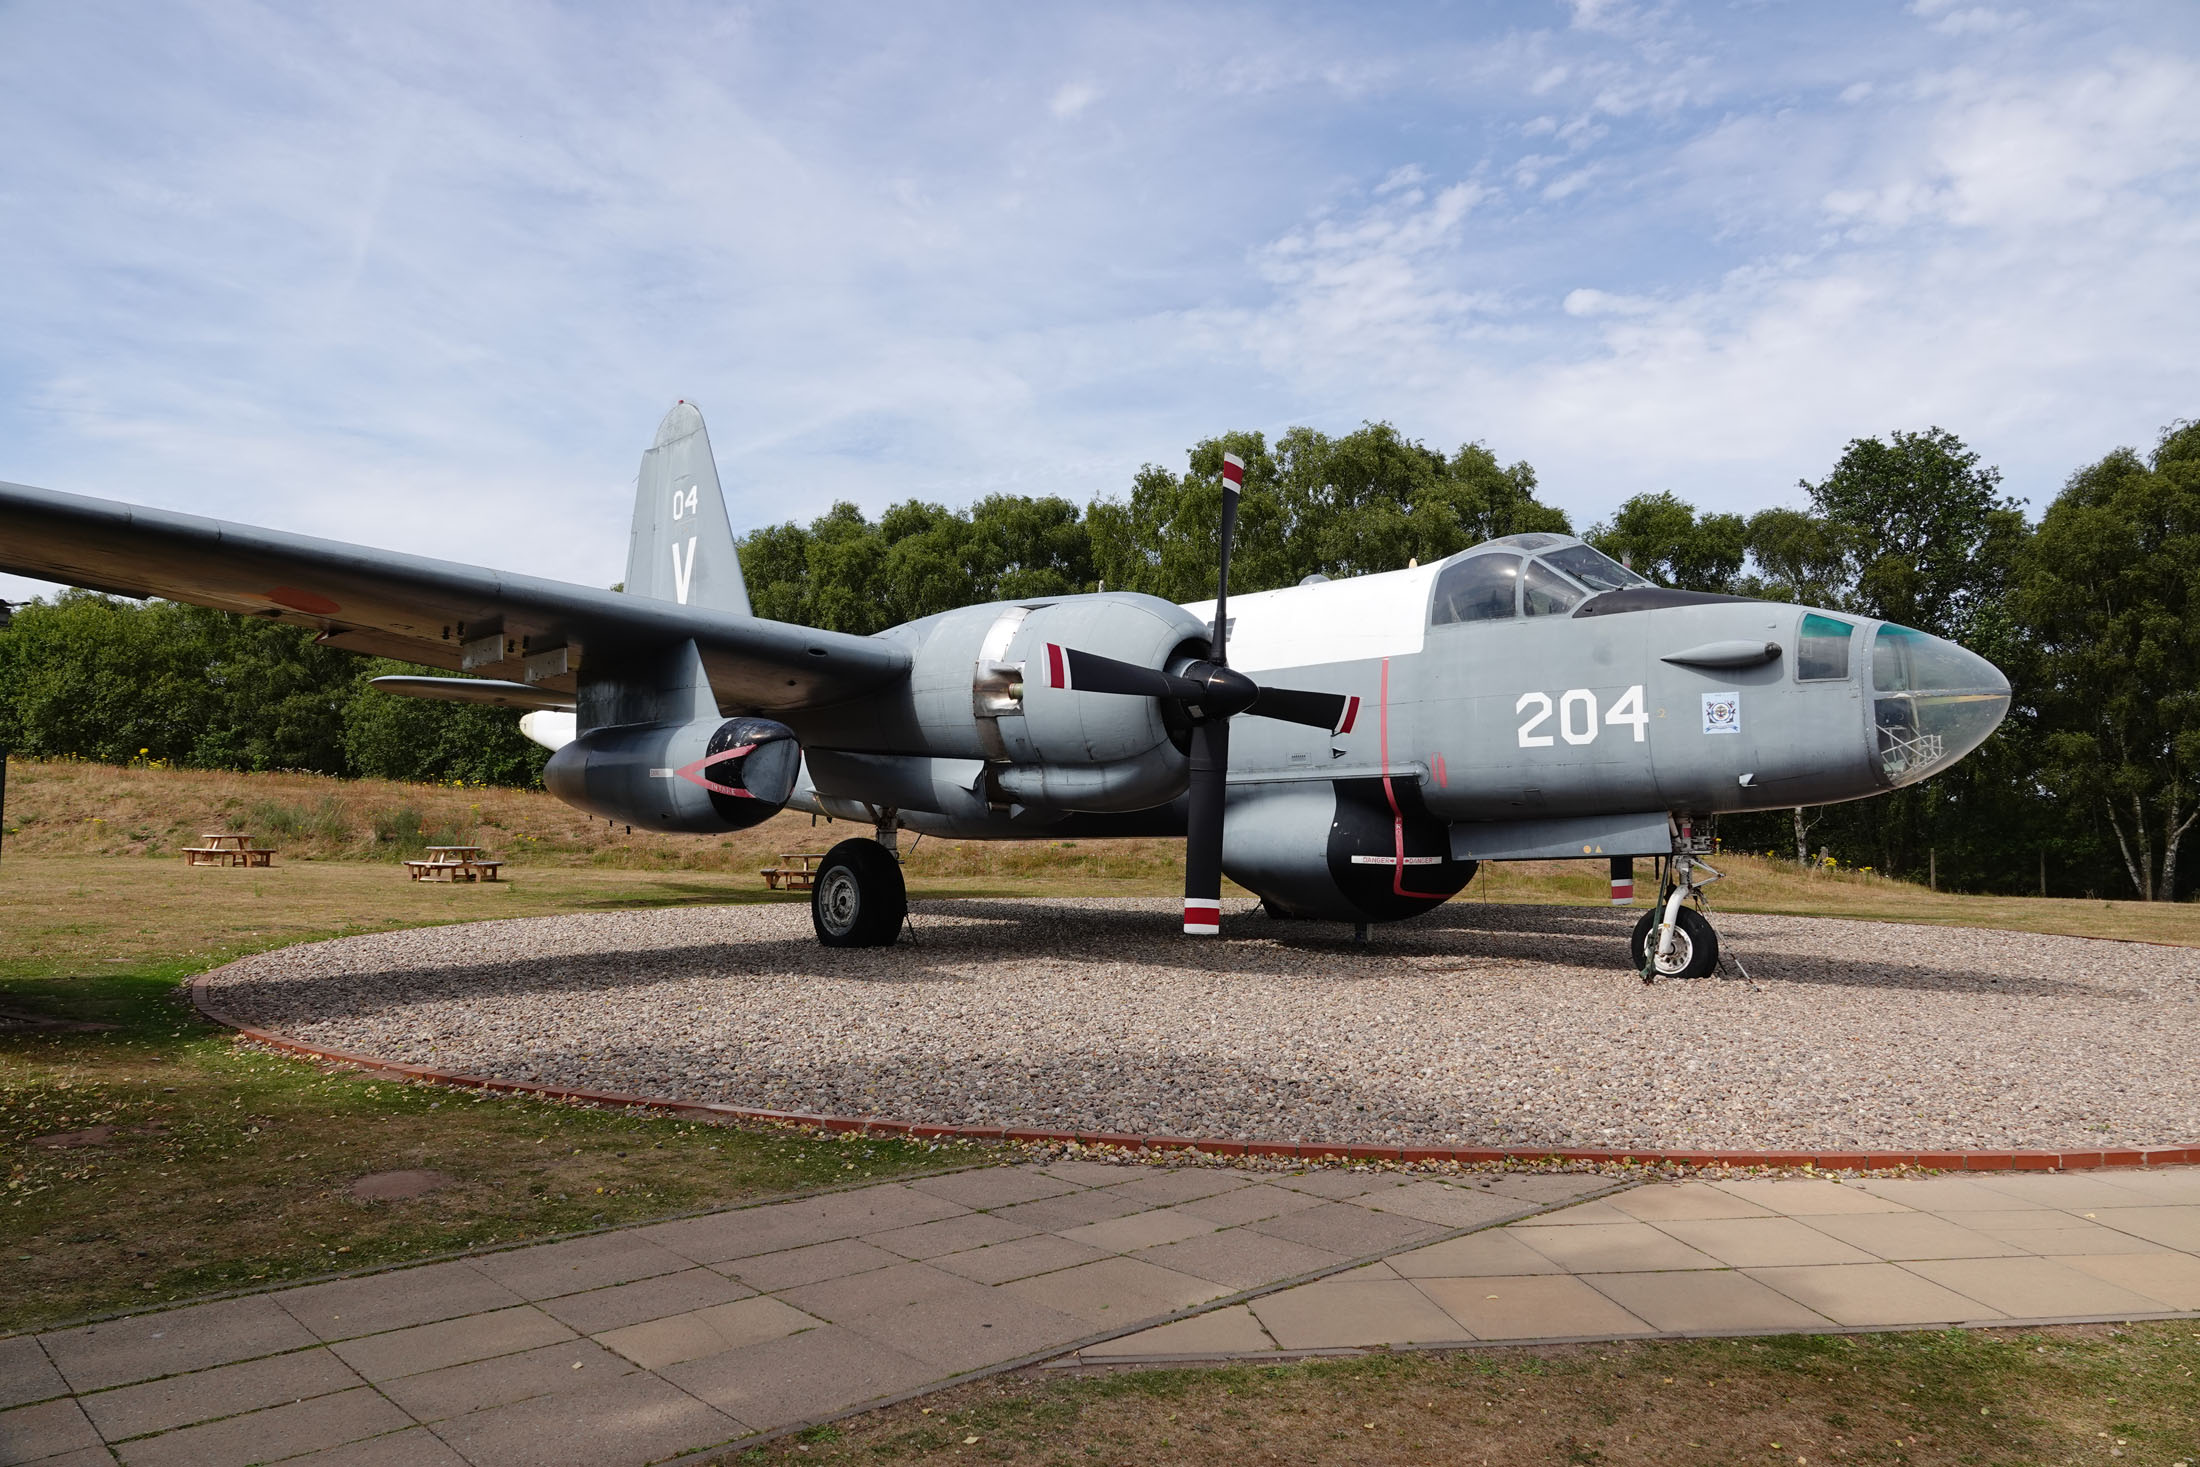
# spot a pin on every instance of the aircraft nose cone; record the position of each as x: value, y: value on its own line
x: 1934, y: 702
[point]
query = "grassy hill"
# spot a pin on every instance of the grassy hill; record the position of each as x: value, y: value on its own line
x: 77, y: 809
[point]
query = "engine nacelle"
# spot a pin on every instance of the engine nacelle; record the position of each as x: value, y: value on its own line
x: 983, y: 686
x: 688, y: 778
x: 1348, y: 850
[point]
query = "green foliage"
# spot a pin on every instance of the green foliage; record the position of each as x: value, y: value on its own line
x: 430, y: 742
x: 1369, y: 501
x: 1928, y: 541
x: 2109, y: 594
x: 1662, y: 538
x: 847, y: 574
x: 98, y: 677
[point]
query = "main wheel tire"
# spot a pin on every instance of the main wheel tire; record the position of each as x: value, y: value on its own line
x: 1695, y: 951
x: 858, y: 898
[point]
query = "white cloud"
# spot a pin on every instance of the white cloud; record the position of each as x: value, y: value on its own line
x: 426, y: 278
x: 1974, y: 20
x: 1405, y: 176
x: 1570, y: 184
x: 2023, y: 152
x: 1073, y: 98
x: 1588, y: 302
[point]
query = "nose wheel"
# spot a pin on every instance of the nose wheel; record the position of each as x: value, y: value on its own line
x: 1672, y: 940
x: 1693, y: 952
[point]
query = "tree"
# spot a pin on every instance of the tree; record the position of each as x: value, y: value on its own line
x: 1926, y: 539
x: 99, y: 677
x: 430, y: 742
x: 1369, y: 501
x: 1661, y: 537
x: 2110, y: 591
x: 1797, y: 556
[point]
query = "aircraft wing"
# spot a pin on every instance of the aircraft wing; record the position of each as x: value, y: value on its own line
x: 433, y: 612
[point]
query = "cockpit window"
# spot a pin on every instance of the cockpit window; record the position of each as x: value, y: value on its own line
x: 1477, y: 588
x: 1907, y: 661
x: 1594, y: 569
x: 1544, y: 592
x: 1532, y: 540
x: 1822, y: 648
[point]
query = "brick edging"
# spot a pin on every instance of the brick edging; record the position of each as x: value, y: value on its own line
x: 1954, y: 1161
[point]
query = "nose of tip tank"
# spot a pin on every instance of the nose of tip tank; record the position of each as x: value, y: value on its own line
x: 1933, y: 702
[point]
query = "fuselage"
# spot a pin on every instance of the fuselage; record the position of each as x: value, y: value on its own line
x: 1502, y: 685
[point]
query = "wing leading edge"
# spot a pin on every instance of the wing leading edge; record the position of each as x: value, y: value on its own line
x: 433, y: 612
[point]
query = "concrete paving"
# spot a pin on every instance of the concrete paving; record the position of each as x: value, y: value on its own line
x: 659, y: 1341
x: 1745, y: 1257
x: 651, y: 1342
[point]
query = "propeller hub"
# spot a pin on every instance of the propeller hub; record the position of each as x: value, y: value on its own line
x: 1224, y: 691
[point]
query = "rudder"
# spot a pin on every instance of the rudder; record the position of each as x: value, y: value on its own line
x: 682, y: 549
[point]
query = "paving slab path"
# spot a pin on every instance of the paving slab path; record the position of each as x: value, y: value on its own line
x: 679, y: 1338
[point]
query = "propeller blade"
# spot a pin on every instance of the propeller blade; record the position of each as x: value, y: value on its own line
x: 1233, y: 479
x: 1211, y: 740
x: 1203, y: 828
x: 1335, y: 712
x: 1089, y: 672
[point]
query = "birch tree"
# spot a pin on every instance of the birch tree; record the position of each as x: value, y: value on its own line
x: 2110, y: 592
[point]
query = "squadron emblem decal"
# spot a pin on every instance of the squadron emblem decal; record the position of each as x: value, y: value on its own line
x: 1722, y: 713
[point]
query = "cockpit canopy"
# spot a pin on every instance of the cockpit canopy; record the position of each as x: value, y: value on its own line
x: 1535, y: 574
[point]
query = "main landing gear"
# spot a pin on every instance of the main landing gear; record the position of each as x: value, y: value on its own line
x: 1671, y: 940
x: 858, y: 898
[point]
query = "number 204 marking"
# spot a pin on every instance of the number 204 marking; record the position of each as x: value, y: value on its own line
x: 1577, y: 716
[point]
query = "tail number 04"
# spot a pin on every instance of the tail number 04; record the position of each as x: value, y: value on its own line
x: 684, y: 501
x: 1577, y: 716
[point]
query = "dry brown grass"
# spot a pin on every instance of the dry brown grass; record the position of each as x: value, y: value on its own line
x: 82, y: 809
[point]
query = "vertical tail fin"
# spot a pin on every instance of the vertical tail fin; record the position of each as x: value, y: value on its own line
x: 682, y: 548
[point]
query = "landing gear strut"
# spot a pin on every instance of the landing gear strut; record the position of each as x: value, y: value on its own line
x: 1673, y: 941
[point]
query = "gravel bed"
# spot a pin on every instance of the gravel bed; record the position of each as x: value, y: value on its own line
x: 1478, y: 1024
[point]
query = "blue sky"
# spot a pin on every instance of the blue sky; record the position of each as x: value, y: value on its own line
x: 425, y: 276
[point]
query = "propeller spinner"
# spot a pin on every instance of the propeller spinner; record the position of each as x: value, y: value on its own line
x: 1212, y: 693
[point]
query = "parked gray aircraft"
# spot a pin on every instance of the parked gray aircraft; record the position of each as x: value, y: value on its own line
x: 1348, y: 750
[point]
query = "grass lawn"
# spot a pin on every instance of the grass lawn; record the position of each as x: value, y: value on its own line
x: 155, y: 1159
x: 2079, y: 1394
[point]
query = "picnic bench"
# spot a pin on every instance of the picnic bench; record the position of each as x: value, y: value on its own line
x: 227, y: 848
x: 796, y: 871
x: 454, y: 863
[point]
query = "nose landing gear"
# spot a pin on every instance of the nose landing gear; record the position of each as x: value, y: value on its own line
x: 1673, y: 941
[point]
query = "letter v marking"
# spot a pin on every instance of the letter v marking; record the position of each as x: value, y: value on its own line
x: 683, y: 573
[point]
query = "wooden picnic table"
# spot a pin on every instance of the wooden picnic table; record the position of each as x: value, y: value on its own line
x: 796, y: 871
x: 227, y: 848
x: 455, y: 863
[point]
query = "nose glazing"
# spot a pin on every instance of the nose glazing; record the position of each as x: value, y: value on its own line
x: 1933, y: 702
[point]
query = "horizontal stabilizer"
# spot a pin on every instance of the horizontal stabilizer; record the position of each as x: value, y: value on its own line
x: 474, y: 690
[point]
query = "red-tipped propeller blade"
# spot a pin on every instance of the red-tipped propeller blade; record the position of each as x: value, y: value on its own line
x: 1333, y: 711
x: 1211, y: 749
x: 1213, y: 693
x: 1089, y: 672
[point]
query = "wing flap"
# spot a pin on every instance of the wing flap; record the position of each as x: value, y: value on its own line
x: 433, y: 612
